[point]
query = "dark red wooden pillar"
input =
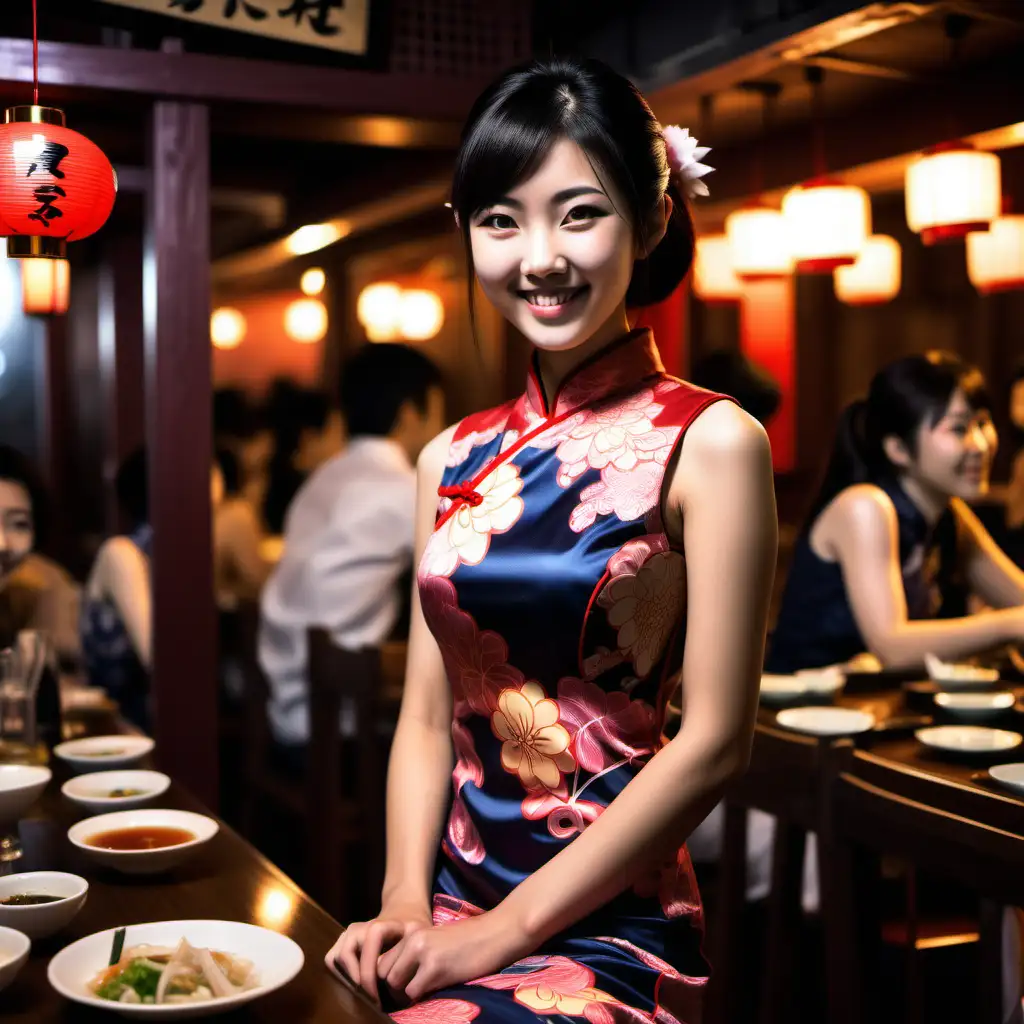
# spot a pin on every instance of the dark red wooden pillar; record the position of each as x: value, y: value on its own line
x: 176, y: 318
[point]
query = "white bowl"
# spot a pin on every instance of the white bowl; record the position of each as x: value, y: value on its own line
x: 104, y: 752
x: 976, y: 706
x: 43, y: 919
x: 276, y: 958
x: 1009, y: 775
x: 825, y: 721
x: 14, y: 947
x: 144, y: 862
x: 21, y: 785
x: 961, y: 677
x: 969, y: 739
x: 87, y: 790
x: 780, y: 689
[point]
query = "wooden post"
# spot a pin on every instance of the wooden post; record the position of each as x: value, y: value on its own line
x: 176, y: 312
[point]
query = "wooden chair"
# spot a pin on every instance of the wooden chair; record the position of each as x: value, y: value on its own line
x: 952, y: 830
x: 784, y: 779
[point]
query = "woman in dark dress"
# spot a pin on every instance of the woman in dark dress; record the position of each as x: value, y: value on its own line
x: 891, y: 547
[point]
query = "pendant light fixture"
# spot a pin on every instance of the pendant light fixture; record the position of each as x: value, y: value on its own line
x: 55, y: 184
x: 714, y: 280
x: 828, y: 222
x: 758, y: 245
x: 875, y: 277
x: 45, y: 287
x: 953, y: 188
x: 995, y: 258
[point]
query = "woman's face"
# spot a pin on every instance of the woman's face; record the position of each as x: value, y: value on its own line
x: 955, y: 455
x: 556, y: 254
x: 17, y: 531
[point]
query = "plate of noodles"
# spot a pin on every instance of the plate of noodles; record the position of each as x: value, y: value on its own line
x: 175, y: 969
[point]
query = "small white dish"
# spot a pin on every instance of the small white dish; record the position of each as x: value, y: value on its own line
x: 781, y: 689
x: 826, y: 721
x: 275, y: 957
x: 144, y: 862
x: 976, y: 706
x: 958, y: 677
x: 21, y: 785
x: 104, y: 752
x: 92, y: 791
x: 42, y: 920
x: 1009, y: 775
x: 969, y: 739
x: 14, y: 947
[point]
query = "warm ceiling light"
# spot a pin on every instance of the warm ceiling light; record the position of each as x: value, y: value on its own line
x: 952, y: 190
x: 378, y: 310
x: 311, y: 237
x: 305, y: 320
x: 313, y: 281
x: 995, y: 258
x: 227, y: 328
x: 714, y: 280
x: 874, y: 278
x: 827, y: 223
x: 421, y: 314
x: 758, y: 243
x: 45, y: 286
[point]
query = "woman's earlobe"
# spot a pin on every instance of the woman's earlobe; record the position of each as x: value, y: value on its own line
x: 658, y: 226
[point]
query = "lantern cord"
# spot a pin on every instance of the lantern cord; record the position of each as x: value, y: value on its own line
x: 35, y: 55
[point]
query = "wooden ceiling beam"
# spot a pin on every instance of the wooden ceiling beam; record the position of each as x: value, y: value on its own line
x: 214, y: 79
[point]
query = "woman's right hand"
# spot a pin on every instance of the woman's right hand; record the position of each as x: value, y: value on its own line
x: 362, y: 942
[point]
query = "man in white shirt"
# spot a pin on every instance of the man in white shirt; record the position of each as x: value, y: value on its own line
x: 349, y: 531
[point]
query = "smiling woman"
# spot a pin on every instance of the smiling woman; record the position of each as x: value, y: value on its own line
x: 561, y: 601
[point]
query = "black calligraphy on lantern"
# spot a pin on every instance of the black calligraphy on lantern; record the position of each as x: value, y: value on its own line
x: 317, y: 12
x: 47, y: 196
x: 49, y: 158
x: 231, y: 8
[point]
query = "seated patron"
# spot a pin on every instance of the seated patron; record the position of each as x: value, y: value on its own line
x: 349, y: 531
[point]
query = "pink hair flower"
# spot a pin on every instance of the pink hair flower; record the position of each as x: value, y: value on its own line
x: 684, y: 160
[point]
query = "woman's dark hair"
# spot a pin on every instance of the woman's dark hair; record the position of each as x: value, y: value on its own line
x: 230, y: 470
x: 377, y: 380
x: 903, y: 397
x: 513, y: 125
x: 131, y: 485
x: 18, y: 469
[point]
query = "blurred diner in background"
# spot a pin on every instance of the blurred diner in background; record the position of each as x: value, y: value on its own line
x: 235, y: 308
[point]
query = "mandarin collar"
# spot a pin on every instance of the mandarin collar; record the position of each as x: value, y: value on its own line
x: 618, y: 366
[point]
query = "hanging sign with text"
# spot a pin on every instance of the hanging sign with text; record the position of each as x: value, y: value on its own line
x: 329, y: 24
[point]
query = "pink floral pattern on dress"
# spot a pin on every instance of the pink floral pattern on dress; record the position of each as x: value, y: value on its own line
x: 565, y: 817
x: 463, y: 836
x: 476, y: 662
x: 675, y: 886
x: 605, y: 726
x: 535, y: 745
x: 557, y: 984
x: 438, y: 1011
x: 620, y: 436
x: 465, y: 535
x: 468, y: 766
x: 679, y: 995
x: 447, y: 909
x: 645, y: 599
x: 626, y: 495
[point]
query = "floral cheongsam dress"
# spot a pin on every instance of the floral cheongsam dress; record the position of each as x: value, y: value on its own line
x: 559, y: 607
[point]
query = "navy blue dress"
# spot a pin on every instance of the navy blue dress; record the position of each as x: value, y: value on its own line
x: 816, y: 627
x: 559, y: 606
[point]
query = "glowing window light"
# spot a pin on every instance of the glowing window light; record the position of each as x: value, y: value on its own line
x: 305, y: 320
x: 227, y: 328
x: 378, y: 309
x: 758, y: 243
x: 952, y: 190
x: 827, y: 222
x: 995, y: 258
x: 714, y: 280
x: 875, y: 277
x: 313, y: 281
x: 421, y: 314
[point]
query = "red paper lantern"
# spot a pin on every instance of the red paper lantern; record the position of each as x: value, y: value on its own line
x: 55, y: 184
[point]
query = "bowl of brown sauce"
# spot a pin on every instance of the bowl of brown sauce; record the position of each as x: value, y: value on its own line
x: 39, y: 903
x: 143, y: 842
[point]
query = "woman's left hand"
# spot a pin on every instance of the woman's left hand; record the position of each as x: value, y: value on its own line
x: 450, y: 954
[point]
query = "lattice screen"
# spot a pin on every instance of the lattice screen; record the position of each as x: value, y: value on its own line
x: 461, y: 38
